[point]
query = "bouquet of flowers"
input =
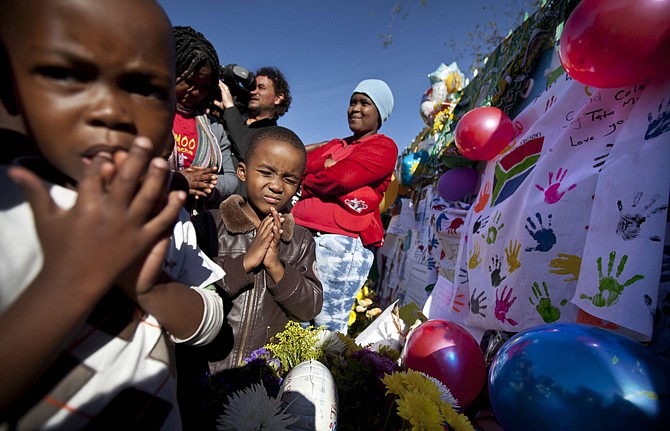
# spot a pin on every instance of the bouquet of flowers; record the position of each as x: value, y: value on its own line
x: 373, y: 391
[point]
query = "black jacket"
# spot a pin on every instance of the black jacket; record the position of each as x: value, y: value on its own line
x: 239, y: 132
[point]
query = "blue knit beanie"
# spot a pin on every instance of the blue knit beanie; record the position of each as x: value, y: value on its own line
x: 380, y: 94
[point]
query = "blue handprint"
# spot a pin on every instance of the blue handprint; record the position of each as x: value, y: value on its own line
x: 660, y: 124
x: 545, y: 237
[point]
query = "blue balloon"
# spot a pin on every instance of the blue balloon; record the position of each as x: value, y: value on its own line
x: 412, y: 166
x: 570, y: 376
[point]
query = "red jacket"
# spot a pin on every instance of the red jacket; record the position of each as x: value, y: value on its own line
x: 344, y: 198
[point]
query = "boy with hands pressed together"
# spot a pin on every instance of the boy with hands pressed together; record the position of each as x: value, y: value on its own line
x: 269, y: 261
x: 89, y: 249
x: 270, y: 270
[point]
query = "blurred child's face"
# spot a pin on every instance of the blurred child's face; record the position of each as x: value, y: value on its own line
x: 193, y: 89
x: 272, y: 175
x: 92, y: 75
x: 363, y: 115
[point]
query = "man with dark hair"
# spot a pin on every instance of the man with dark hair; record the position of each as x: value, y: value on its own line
x: 270, y: 100
x: 272, y: 96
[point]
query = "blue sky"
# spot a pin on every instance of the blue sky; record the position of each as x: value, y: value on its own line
x: 326, y: 47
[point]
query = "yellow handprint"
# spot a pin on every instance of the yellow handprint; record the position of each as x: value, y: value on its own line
x: 512, y: 255
x: 566, y: 264
x: 474, y: 260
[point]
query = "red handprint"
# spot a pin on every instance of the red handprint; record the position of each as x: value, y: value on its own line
x: 503, y: 304
x: 484, y: 195
x: 551, y: 194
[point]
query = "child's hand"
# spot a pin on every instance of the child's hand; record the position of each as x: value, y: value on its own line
x: 111, y: 225
x: 201, y: 181
x: 260, y: 244
x: 271, y: 261
x: 144, y: 273
x: 272, y: 256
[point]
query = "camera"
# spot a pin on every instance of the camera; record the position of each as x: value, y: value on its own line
x: 241, y: 83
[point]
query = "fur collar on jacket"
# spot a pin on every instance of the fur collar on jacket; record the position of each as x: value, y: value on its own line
x: 236, y: 221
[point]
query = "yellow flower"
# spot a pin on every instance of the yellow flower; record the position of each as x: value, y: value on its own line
x: 294, y: 345
x: 441, y: 119
x: 395, y: 383
x: 352, y: 317
x: 458, y: 421
x: 420, y: 412
x: 417, y: 381
x: 454, y: 82
x: 409, y: 386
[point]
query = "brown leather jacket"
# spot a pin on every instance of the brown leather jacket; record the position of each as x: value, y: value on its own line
x: 257, y: 308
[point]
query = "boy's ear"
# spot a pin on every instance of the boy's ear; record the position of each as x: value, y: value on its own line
x: 7, y: 93
x: 242, y: 172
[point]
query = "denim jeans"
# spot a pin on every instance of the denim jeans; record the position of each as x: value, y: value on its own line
x: 343, y: 265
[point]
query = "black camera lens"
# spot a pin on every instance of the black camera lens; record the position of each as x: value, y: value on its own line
x: 238, y: 74
x: 241, y: 83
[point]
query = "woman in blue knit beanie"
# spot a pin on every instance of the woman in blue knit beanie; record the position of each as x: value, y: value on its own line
x: 342, y: 187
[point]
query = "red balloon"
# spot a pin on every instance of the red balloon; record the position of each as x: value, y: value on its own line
x: 483, y: 133
x: 447, y: 352
x: 615, y: 43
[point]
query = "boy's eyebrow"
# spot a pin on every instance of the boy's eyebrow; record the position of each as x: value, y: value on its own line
x: 271, y: 168
x: 148, y: 76
x: 78, y: 57
x: 149, y: 71
x: 267, y: 166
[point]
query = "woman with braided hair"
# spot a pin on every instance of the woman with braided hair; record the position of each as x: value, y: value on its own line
x: 202, y: 150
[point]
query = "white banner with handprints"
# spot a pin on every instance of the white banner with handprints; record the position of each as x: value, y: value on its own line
x: 569, y: 218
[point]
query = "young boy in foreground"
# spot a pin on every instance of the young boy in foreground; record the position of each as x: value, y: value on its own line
x: 85, y: 298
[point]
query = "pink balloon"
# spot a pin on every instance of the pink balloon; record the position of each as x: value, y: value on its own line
x: 615, y: 43
x: 483, y: 133
x: 447, y: 352
x: 457, y: 183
